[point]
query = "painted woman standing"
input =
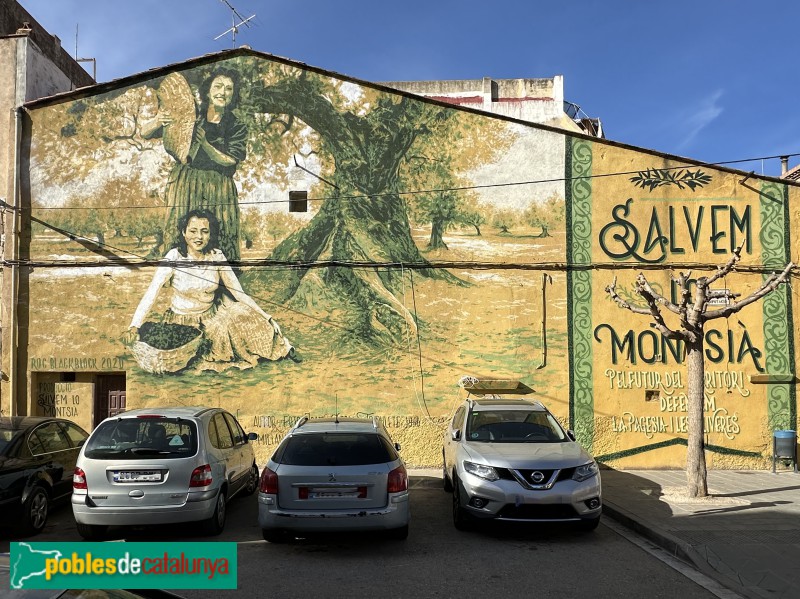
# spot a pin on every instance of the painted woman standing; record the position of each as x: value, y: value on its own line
x: 205, y: 179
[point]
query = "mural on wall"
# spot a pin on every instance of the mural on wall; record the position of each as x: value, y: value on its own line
x: 437, y: 243
x: 423, y: 256
x: 666, y: 223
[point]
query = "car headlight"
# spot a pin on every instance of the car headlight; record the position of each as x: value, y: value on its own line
x: 586, y: 471
x: 481, y: 470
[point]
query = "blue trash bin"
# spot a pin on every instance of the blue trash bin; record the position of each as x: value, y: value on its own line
x: 784, y: 448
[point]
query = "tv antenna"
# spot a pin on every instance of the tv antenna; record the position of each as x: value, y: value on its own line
x: 77, y: 59
x: 234, y: 26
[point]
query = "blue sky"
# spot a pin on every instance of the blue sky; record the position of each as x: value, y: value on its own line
x: 701, y: 79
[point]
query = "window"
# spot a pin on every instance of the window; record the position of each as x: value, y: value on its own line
x: 238, y: 433
x: 512, y: 426
x: 142, y: 439
x: 298, y: 201
x: 458, y: 419
x: 75, y: 434
x: 224, y: 438
x: 337, y: 449
x: 50, y: 438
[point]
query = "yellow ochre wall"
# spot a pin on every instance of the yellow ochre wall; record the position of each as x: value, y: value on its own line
x: 439, y: 243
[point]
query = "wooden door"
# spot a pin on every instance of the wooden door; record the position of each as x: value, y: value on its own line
x: 109, y: 396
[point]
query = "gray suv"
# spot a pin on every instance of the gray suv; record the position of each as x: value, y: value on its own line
x: 162, y: 465
x: 509, y: 459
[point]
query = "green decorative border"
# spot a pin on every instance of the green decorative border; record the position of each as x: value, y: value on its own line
x: 578, y: 191
x: 775, y: 240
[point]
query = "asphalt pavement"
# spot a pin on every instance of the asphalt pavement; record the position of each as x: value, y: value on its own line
x: 745, y: 535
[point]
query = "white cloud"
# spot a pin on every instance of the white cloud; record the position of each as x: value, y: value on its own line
x: 694, y: 120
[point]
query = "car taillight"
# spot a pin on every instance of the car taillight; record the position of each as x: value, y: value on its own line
x: 201, y: 476
x: 398, y: 480
x: 269, y: 482
x: 79, y: 479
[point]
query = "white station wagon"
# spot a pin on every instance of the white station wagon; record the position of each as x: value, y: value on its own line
x: 334, y: 474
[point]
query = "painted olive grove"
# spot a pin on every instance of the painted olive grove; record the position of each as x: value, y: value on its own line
x: 435, y: 243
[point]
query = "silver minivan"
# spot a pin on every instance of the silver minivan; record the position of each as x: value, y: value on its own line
x: 162, y: 465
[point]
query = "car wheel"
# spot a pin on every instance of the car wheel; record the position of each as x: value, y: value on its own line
x: 91, y: 532
x: 461, y: 519
x: 216, y: 523
x: 35, y: 511
x: 272, y: 535
x: 589, y: 525
x: 447, y: 485
x: 398, y: 534
x: 252, y: 481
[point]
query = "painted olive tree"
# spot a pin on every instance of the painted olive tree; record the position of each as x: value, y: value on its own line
x: 693, y: 313
x: 375, y: 152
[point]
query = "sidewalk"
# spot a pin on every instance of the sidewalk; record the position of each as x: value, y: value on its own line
x: 746, y: 535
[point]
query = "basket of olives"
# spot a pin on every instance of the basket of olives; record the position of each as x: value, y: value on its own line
x: 166, y: 347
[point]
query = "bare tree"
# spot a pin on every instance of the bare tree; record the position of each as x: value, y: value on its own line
x: 693, y: 314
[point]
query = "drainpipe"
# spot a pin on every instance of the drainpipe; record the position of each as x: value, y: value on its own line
x: 545, y: 278
x: 13, y: 353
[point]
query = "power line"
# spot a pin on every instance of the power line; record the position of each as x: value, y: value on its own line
x: 429, y: 191
x: 345, y: 327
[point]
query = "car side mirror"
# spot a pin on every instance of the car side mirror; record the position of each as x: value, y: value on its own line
x: 252, y: 437
x: 456, y: 435
x: 571, y: 435
x: 397, y: 446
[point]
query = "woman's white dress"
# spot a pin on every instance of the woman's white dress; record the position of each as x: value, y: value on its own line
x: 236, y: 334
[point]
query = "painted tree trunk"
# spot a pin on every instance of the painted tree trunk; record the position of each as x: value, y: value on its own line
x: 437, y: 236
x: 368, y: 227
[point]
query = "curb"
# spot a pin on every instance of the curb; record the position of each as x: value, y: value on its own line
x: 676, y: 547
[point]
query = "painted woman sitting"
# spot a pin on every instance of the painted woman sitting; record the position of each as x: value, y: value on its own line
x: 206, y: 294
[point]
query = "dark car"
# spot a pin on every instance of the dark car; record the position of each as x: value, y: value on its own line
x: 37, y: 459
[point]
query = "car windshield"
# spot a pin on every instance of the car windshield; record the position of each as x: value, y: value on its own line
x: 514, y: 426
x: 335, y: 449
x: 142, y: 438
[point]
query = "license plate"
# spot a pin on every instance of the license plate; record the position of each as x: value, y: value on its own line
x: 144, y: 476
x: 321, y: 494
x: 360, y: 492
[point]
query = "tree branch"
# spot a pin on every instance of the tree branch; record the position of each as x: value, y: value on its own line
x: 642, y: 282
x: 643, y: 288
x: 612, y: 291
x: 683, y: 283
x: 767, y: 287
x: 728, y: 267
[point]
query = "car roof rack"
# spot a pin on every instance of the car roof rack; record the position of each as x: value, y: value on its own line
x: 496, y: 387
x: 300, y: 422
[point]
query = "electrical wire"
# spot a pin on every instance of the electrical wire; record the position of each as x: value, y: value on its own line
x: 343, y: 327
x: 423, y: 191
